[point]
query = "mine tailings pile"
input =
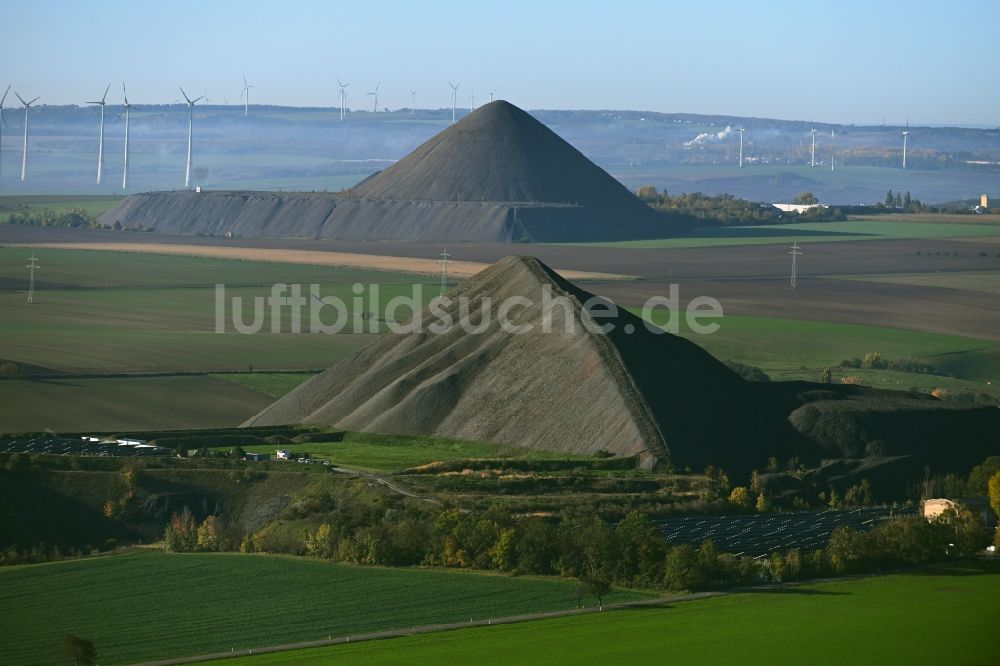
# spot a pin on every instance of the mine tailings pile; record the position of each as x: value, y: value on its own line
x: 499, y: 175
x: 629, y: 392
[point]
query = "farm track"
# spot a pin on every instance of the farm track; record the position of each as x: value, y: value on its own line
x: 432, y: 628
x: 312, y: 257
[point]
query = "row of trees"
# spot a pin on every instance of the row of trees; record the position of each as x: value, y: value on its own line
x: 726, y: 209
x: 54, y: 217
x: 720, y: 209
x: 633, y: 553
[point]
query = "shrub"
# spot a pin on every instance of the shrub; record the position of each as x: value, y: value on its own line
x: 748, y: 372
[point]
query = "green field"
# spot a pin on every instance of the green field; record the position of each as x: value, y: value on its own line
x: 850, y: 230
x: 155, y: 605
x: 126, y: 403
x: 798, y: 349
x: 129, y: 312
x: 942, y: 616
x: 274, y: 384
x: 93, y: 204
x: 118, y: 312
x: 390, y: 453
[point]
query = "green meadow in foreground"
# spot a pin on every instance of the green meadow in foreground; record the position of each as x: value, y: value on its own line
x: 157, y: 605
x: 940, y: 616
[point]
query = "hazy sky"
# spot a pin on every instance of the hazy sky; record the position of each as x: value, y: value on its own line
x: 844, y: 61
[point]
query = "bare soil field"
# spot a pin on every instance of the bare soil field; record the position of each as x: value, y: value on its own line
x: 912, y: 307
x: 395, y: 264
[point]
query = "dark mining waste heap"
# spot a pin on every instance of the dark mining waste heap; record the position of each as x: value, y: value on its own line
x: 629, y: 392
x: 644, y: 394
x: 499, y: 175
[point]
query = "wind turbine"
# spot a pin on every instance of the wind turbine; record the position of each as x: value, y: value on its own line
x: 906, y: 135
x: 100, y: 146
x: 246, y: 96
x: 125, y: 163
x: 833, y: 147
x: 24, y: 155
x: 413, y: 101
x: 374, y: 94
x: 491, y: 94
x: 472, y: 100
x: 187, y: 168
x: 3, y: 121
x: 343, y: 97
x: 812, y: 160
x: 741, y: 146
x: 454, y: 97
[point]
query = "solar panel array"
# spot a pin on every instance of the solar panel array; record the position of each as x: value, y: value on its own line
x: 763, y: 533
x: 65, y: 446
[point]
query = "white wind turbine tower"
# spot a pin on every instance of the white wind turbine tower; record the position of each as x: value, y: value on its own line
x: 741, y: 130
x: 100, y: 146
x: 187, y: 167
x: 246, y: 96
x: 454, y: 97
x: 343, y: 98
x: 24, y: 154
x: 812, y: 159
x: 833, y: 147
x: 3, y: 121
x: 413, y: 102
x: 125, y: 162
x: 374, y: 94
x: 906, y: 135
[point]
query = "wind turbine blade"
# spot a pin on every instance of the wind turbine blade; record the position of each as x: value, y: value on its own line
x: 185, y: 95
x: 124, y: 94
x: 244, y: 80
x: 34, y: 100
x: 199, y: 98
x: 20, y: 98
x: 106, y: 93
x: 4, y: 98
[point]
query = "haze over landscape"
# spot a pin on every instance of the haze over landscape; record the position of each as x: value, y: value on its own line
x: 499, y: 333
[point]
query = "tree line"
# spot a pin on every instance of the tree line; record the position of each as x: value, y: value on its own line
x: 631, y: 553
x: 726, y: 209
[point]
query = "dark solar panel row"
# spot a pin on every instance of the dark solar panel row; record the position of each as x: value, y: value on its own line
x: 63, y: 446
x: 759, y: 534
